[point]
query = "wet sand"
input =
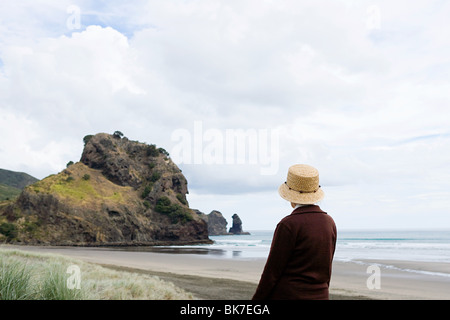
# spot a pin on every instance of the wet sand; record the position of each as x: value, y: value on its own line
x: 208, y: 276
x: 395, y: 282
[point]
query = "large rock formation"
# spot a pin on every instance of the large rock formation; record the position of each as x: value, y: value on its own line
x: 122, y: 192
x: 217, y: 224
x: 236, y: 228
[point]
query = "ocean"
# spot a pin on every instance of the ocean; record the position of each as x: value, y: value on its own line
x: 424, y: 245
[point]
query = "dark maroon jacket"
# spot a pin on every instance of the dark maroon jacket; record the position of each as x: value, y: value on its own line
x: 300, y: 258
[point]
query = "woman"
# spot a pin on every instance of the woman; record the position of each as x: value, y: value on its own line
x: 301, y: 255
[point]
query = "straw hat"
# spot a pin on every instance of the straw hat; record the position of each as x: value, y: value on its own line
x: 302, y: 185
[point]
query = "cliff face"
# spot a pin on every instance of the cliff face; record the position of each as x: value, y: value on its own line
x: 121, y: 192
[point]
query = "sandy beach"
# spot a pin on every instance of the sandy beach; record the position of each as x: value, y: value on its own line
x: 209, y: 277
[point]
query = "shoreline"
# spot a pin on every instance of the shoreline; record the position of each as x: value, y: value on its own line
x: 112, y: 245
x: 398, y: 279
x: 210, y: 277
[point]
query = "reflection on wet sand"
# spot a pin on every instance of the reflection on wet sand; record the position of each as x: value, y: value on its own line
x: 180, y: 250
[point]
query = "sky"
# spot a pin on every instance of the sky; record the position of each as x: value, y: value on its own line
x: 238, y: 91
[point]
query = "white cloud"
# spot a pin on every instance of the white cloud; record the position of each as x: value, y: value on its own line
x: 350, y: 85
x: 25, y: 146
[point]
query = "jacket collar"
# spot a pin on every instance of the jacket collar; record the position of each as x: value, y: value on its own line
x: 308, y: 209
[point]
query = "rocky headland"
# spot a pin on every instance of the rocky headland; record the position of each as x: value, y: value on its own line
x: 121, y: 192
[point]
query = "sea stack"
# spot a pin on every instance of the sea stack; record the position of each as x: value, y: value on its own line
x: 236, y: 228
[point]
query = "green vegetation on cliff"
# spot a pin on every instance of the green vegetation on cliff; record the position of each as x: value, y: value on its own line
x: 73, y: 185
x: 175, y: 212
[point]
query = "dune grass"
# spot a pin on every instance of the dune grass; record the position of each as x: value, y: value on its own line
x: 37, y: 276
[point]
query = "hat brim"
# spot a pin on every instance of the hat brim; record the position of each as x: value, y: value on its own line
x: 300, y: 198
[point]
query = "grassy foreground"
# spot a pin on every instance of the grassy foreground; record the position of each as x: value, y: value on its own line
x: 38, y: 276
